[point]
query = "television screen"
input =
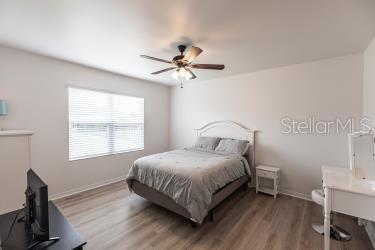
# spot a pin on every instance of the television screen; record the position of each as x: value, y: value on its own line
x: 37, y: 206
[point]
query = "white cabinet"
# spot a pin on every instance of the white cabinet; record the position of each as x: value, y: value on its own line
x: 14, y: 163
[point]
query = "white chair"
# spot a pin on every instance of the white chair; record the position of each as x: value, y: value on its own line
x: 337, y: 232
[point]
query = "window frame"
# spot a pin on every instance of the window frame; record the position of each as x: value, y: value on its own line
x: 105, y: 92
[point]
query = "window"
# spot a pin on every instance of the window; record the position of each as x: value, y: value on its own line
x: 103, y: 123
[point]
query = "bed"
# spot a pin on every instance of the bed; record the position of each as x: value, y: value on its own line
x: 193, y: 181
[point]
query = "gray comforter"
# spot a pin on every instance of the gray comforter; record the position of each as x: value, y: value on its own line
x: 189, y: 176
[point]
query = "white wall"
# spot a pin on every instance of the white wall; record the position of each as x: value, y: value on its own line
x: 325, y: 89
x: 35, y: 88
x: 369, y: 103
x: 369, y: 81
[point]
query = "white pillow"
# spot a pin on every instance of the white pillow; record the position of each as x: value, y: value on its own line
x: 233, y: 146
x: 207, y: 142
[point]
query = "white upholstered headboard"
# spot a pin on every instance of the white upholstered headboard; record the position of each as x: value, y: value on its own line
x: 230, y: 129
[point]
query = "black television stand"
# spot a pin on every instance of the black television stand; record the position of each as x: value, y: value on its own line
x: 37, y: 241
x: 22, y: 237
x: 52, y: 239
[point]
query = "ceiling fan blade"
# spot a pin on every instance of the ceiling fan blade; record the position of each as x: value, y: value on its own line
x: 192, y: 53
x: 208, y: 66
x: 191, y: 72
x: 163, y: 70
x: 155, y: 59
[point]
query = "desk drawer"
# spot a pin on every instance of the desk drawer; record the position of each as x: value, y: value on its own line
x: 265, y: 174
x: 357, y: 205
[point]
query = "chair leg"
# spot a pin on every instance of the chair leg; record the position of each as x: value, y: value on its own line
x: 319, y: 228
x: 340, y: 234
x: 336, y: 232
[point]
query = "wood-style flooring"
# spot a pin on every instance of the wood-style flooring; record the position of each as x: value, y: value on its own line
x: 111, y: 218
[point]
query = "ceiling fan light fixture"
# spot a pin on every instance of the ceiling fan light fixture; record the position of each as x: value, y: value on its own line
x: 175, y: 75
x: 182, y: 66
x: 181, y: 73
x: 188, y: 75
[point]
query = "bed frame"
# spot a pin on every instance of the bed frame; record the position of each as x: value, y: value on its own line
x: 223, y: 129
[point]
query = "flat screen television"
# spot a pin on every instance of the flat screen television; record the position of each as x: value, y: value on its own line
x: 36, y: 209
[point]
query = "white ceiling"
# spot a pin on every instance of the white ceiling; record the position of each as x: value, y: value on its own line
x: 245, y: 35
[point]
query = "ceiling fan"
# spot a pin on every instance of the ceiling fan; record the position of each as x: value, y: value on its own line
x: 182, y: 63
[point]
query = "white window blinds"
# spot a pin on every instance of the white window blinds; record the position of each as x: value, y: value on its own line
x: 103, y: 123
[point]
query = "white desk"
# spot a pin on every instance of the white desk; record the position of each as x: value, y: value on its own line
x: 346, y: 194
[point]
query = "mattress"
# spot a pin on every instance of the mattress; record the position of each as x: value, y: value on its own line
x: 189, y: 176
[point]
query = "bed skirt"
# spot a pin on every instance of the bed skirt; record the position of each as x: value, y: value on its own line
x: 166, y: 202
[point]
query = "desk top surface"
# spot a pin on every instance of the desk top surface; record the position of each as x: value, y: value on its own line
x: 59, y: 227
x: 15, y: 133
x: 342, y: 179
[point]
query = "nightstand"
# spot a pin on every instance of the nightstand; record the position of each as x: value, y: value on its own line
x: 267, y: 172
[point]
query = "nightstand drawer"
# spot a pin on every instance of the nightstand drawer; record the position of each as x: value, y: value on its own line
x: 265, y: 174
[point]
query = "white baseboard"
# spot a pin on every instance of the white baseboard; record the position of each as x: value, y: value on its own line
x: 85, y: 188
x: 370, y: 229
x: 295, y: 194
x: 107, y: 182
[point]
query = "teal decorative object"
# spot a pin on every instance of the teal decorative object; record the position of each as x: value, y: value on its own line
x: 3, y: 107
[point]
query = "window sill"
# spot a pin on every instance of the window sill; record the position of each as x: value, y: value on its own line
x: 102, y: 155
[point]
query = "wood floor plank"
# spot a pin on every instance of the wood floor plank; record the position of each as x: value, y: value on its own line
x: 111, y: 218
